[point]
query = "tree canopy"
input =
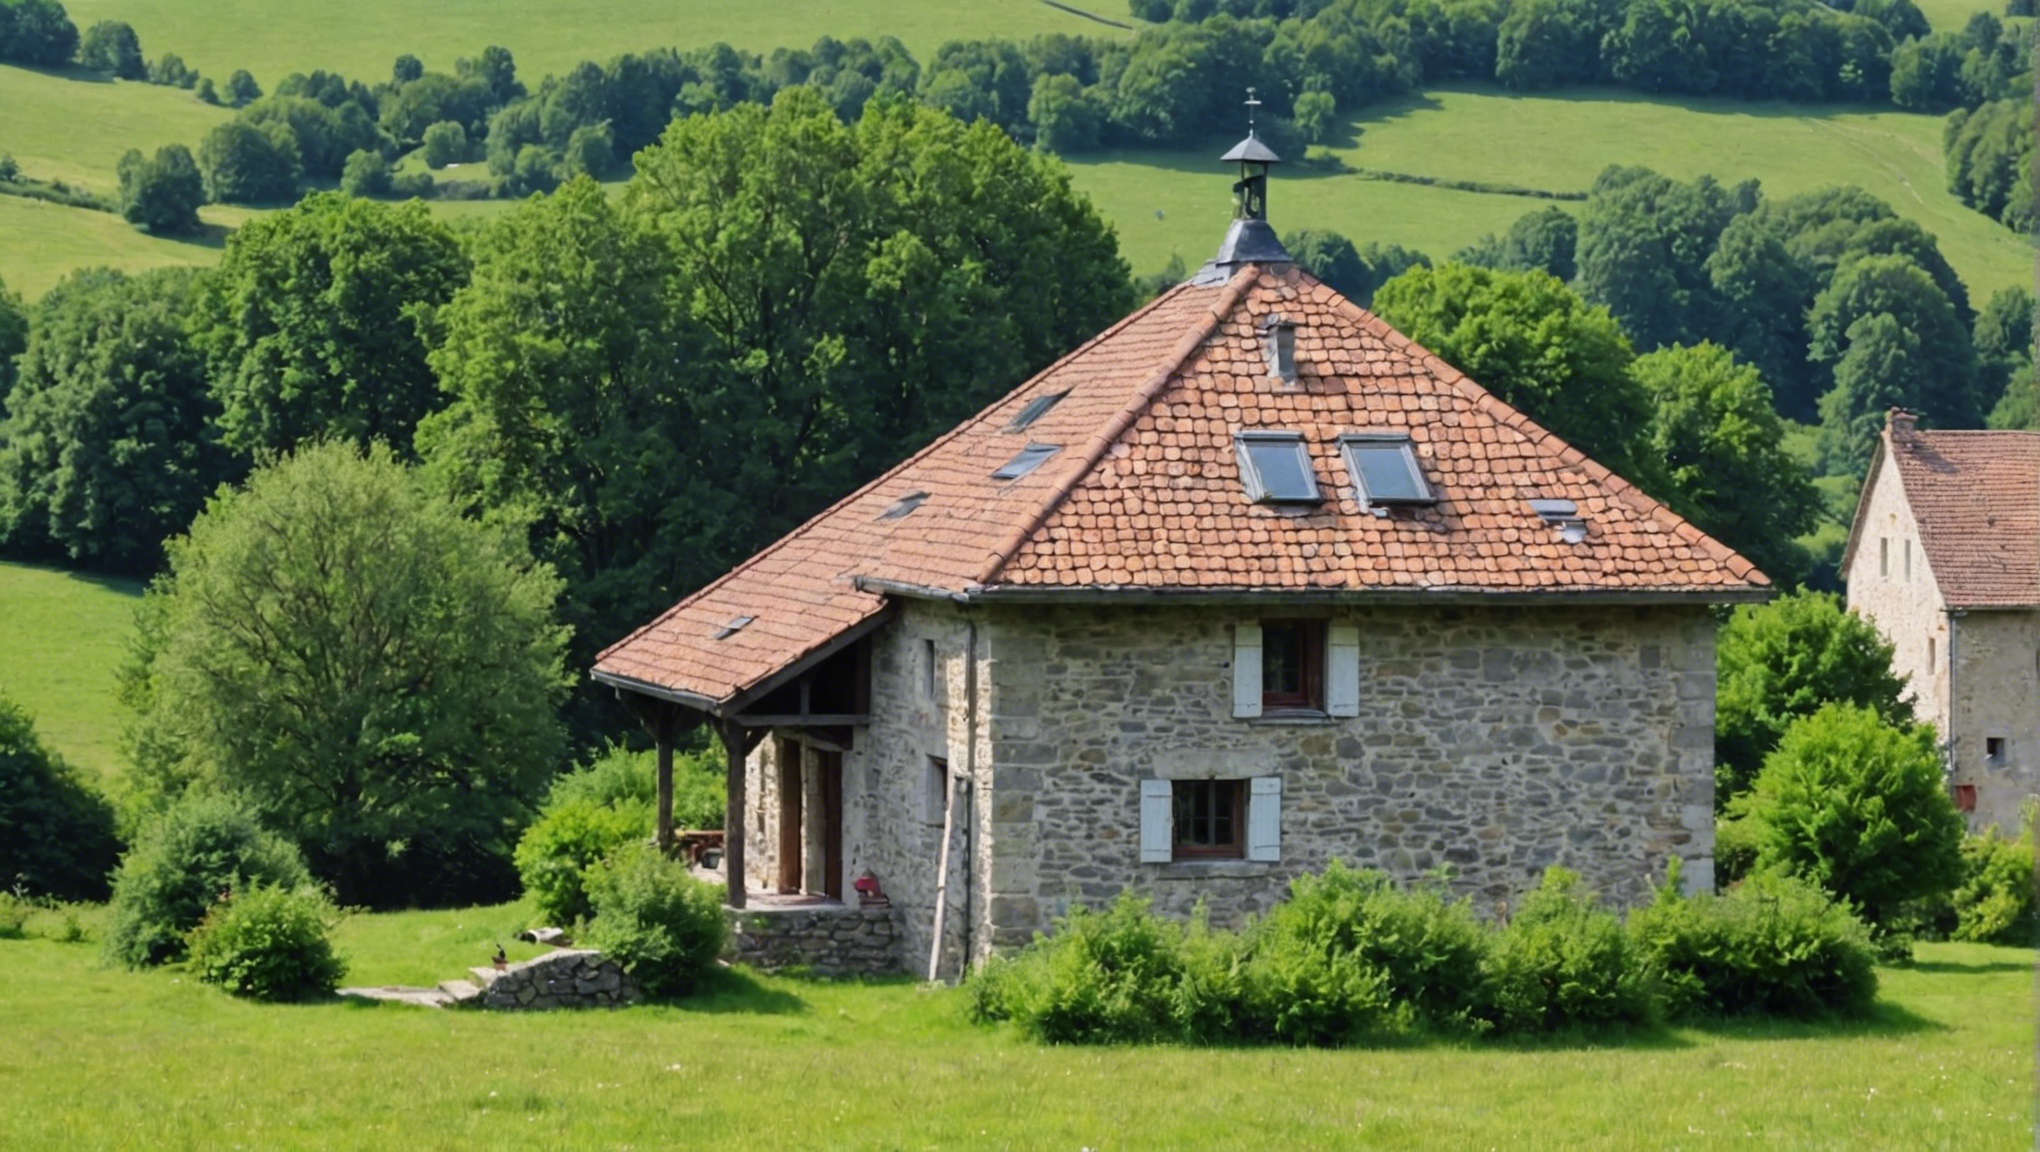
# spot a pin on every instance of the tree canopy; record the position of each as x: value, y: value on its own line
x: 377, y: 673
x: 56, y: 833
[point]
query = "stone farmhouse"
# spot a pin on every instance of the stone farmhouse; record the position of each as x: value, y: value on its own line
x: 1945, y: 557
x: 1247, y: 583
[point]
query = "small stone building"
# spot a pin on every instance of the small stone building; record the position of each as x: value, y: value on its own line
x: 1944, y: 557
x: 1246, y: 584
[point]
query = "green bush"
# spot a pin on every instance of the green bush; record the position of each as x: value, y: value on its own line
x: 619, y: 774
x: 205, y: 847
x: 14, y: 911
x: 1994, y: 902
x: 1121, y: 976
x: 664, y: 926
x: 268, y: 943
x: 1564, y: 963
x: 559, y: 847
x: 1772, y: 945
x: 56, y: 833
x: 1350, y: 953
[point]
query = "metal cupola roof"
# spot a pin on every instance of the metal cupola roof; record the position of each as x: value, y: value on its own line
x: 1250, y: 239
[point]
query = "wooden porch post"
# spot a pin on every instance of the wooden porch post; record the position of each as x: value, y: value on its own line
x: 662, y: 737
x: 735, y: 748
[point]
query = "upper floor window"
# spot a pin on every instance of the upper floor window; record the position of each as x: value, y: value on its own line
x: 1384, y: 467
x: 1296, y: 668
x: 1275, y: 468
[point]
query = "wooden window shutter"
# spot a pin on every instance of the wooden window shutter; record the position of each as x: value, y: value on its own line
x: 1246, y: 671
x: 1157, y: 801
x: 1264, y: 818
x: 1342, y: 670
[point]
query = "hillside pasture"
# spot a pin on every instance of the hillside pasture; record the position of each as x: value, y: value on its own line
x: 73, y: 125
x: 62, y: 638
x: 1553, y: 142
x: 118, y: 1060
x: 362, y: 39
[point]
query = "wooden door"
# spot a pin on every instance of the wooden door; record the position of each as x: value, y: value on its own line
x: 791, y: 826
x: 830, y: 765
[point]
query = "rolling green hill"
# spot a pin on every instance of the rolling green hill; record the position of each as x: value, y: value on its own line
x: 62, y: 635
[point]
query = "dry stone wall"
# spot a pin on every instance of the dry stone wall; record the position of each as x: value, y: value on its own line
x: 828, y: 941
x: 564, y: 978
x: 1491, y: 744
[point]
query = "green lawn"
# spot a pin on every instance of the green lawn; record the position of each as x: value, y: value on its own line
x: 114, y: 1060
x: 360, y: 40
x: 62, y: 635
x: 99, y: 120
x: 1555, y: 142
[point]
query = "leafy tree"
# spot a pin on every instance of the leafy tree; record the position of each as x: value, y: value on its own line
x: 1317, y: 116
x: 162, y: 194
x: 38, y: 33
x: 325, y: 135
x: 591, y: 151
x: 1857, y: 805
x: 1525, y: 337
x: 405, y: 69
x: 1356, y: 272
x: 2019, y: 407
x: 975, y: 79
x: 1643, y: 245
x: 366, y: 173
x: 314, y: 324
x: 242, y: 89
x: 496, y: 69
x: 1871, y: 379
x: 1988, y: 152
x: 1914, y: 351
x: 1066, y: 116
x: 1776, y: 663
x: 171, y: 71
x: 1722, y: 444
x: 111, y: 46
x: 205, y: 93
x: 13, y: 336
x: 56, y: 833
x: 1926, y: 73
x: 445, y: 143
x: 107, y: 446
x: 1546, y: 239
x: 433, y: 97
x: 376, y: 672
x: 244, y: 164
x: 185, y: 859
x: 1549, y: 43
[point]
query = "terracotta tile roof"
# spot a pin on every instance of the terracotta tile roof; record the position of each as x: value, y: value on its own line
x: 1145, y: 495
x: 1976, y: 497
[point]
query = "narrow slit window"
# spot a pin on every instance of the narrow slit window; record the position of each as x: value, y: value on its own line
x: 1035, y: 410
x: 1276, y: 469
x: 903, y: 506
x: 1385, y: 470
x: 1030, y: 458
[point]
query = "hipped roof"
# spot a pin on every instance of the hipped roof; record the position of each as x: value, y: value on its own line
x: 1144, y: 499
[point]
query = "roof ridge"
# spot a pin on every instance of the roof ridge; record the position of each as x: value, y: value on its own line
x: 1638, y: 500
x: 1102, y: 441
x: 882, y: 478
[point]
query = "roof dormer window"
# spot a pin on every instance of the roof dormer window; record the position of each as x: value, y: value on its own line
x: 1275, y: 468
x: 1035, y: 410
x: 1384, y: 470
x: 1278, y: 346
x: 1030, y: 458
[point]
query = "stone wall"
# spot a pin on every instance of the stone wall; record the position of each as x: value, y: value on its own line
x: 1891, y: 584
x: 829, y: 940
x: 563, y: 978
x: 1492, y: 743
x: 1995, y: 695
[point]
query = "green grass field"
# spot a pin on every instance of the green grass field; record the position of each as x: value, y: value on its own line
x: 361, y: 40
x: 1555, y: 142
x: 62, y: 635
x: 114, y: 1060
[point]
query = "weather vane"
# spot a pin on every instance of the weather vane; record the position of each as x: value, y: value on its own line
x: 1251, y: 105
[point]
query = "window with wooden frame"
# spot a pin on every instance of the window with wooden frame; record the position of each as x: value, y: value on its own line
x: 1211, y: 819
x: 1296, y: 668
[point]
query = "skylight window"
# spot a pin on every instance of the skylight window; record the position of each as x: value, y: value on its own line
x: 903, y: 506
x: 1563, y: 515
x: 1035, y: 410
x: 1028, y: 460
x: 1275, y: 468
x: 1385, y: 469
x: 733, y: 627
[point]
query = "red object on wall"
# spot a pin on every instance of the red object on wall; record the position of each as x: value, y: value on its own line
x: 1965, y: 797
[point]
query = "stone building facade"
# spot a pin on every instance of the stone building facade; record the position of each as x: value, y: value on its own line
x: 1245, y: 584
x: 1944, y: 557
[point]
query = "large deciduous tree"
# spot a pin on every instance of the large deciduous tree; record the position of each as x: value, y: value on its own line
x: 1778, y: 662
x: 162, y: 193
x: 56, y: 833
x: 315, y: 323
x: 1644, y: 240
x: 1722, y: 444
x: 1525, y: 337
x: 378, y: 673
x: 106, y: 447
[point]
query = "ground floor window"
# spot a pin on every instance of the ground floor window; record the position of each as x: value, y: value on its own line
x: 1211, y: 819
x: 1208, y: 818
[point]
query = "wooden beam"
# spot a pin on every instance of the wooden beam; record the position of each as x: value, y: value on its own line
x: 804, y: 720
x: 661, y: 720
x: 737, y: 742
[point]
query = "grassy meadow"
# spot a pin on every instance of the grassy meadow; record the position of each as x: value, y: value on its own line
x: 62, y: 635
x: 116, y: 1060
x: 1555, y: 142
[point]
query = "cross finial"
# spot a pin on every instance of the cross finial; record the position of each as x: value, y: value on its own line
x: 1251, y: 105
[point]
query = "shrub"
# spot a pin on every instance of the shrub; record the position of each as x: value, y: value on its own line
x: 206, y: 846
x: 365, y: 173
x: 1857, y: 806
x: 14, y: 911
x: 445, y: 143
x: 662, y: 925
x: 566, y: 840
x: 1121, y: 976
x: 56, y: 833
x: 268, y: 943
x: 1357, y: 934
x: 1563, y: 963
x: 1994, y: 902
x: 1773, y: 945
